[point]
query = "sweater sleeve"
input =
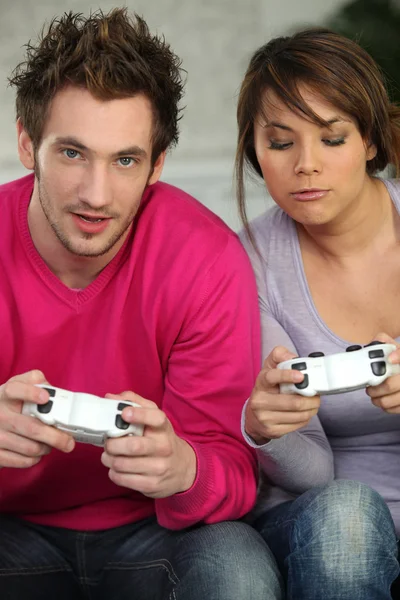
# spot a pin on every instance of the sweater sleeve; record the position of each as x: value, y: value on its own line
x: 211, y: 371
x: 301, y: 459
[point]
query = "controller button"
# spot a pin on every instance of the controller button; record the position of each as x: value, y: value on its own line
x: 376, y: 354
x: 353, y: 348
x: 316, y: 354
x: 303, y: 384
x: 299, y: 366
x: 120, y: 423
x: 379, y: 367
x: 52, y: 391
x: 373, y: 343
x: 122, y: 405
x: 44, y: 409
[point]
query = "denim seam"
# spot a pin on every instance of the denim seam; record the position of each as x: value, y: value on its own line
x: 278, y: 524
x: 81, y: 563
x: 33, y: 571
x: 166, y: 565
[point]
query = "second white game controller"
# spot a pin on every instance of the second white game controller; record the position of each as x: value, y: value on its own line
x: 88, y: 418
x: 357, y: 368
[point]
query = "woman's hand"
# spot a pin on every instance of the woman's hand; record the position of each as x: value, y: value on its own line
x: 270, y: 414
x: 387, y: 395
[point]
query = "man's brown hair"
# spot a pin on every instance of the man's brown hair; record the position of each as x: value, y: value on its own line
x: 112, y: 56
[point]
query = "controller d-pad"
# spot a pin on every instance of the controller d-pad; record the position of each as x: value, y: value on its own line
x: 376, y: 354
x: 373, y: 343
x: 44, y: 409
x: 301, y: 366
x: 316, y: 354
x: 353, y: 348
x: 120, y: 423
x: 52, y: 391
x: 303, y: 384
x: 123, y: 405
x: 378, y: 367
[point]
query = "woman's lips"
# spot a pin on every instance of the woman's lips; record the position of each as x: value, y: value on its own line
x: 307, y: 195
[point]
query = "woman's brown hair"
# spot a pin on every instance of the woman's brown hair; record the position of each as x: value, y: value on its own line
x: 334, y: 67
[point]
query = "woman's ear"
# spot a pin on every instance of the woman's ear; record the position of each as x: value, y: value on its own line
x: 25, y: 147
x: 371, y: 150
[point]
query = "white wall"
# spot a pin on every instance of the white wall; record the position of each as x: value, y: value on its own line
x: 215, y: 39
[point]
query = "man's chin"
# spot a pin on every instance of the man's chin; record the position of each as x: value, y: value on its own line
x: 86, y: 252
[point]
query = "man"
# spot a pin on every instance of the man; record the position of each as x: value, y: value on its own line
x: 113, y: 281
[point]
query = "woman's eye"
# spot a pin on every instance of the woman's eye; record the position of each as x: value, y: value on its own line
x: 335, y: 142
x: 126, y: 161
x: 273, y: 145
x: 70, y: 153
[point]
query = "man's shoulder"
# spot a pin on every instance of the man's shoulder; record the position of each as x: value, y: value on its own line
x: 13, y: 189
x: 176, y: 213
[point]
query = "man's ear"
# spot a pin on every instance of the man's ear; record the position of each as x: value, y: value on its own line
x: 25, y: 147
x: 157, y: 169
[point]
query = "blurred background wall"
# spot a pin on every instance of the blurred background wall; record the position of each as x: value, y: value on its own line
x: 215, y: 39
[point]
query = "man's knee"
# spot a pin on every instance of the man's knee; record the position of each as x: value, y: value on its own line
x: 231, y: 557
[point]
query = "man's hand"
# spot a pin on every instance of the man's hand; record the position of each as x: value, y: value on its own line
x: 157, y: 464
x: 24, y: 439
x: 387, y: 395
x: 270, y: 414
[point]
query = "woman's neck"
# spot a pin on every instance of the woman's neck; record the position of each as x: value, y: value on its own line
x: 369, y: 223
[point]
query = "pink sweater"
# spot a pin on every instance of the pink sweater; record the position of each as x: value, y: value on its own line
x: 173, y: 317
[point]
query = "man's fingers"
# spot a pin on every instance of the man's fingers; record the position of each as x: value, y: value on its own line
x: 16, y: 391
x: 33, y: 429
x: 32, y: 377
x: 17, y: 461
x: 21, y: 445
x: 132, y: 397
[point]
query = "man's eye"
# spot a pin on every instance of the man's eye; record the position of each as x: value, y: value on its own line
x: 126, y: 161
x: 70, y: 153
x: 273, y: 145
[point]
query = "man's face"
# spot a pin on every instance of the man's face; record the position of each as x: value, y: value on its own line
x: 92, y: 166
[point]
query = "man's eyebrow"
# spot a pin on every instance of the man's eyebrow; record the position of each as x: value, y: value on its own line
x: 287, y: 128
x: 131, y: 150
x: 70, y: 141
x: 135, y: 150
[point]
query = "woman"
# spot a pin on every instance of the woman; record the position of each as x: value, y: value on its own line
x: 316, y: 123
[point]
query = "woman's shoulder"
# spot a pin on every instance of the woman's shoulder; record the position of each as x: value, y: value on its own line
x: 393, y: 186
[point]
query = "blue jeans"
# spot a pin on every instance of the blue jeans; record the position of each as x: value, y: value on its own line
x: 336, y: 542
x: 140, y: 561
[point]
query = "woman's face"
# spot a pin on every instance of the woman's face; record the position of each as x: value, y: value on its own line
x: 315, y: 174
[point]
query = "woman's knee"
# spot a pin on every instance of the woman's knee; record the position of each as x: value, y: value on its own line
x: 344, y: 518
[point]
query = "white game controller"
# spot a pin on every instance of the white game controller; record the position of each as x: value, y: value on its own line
x: 88, y: 418
x: 354, y: 369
